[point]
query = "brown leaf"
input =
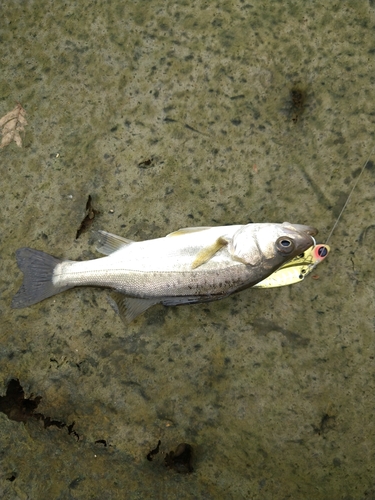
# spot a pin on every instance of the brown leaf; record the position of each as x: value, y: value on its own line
x: 89, y: 219
x: 12, y: 124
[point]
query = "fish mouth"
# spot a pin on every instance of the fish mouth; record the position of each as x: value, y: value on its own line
x: 311, y: 231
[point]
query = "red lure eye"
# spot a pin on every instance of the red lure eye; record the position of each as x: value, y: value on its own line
x: 320, y: 252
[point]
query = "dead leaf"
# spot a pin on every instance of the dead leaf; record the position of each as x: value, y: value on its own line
x: 12, y: 124
x: 89, y: 219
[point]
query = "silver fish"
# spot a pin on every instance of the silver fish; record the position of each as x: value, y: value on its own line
x: 187, y: 266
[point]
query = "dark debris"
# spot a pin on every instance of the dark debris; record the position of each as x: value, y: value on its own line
x: 181, y: 459
x: 20, y: 409
x: 14, y: 404
x: 153, y: 452
x: 91, y: 213
x: 326, y: 424
x: 298, y: 98
x: 146, y: 163
x: 101, y: 441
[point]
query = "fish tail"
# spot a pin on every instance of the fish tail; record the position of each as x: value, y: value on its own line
x: 37, y: 268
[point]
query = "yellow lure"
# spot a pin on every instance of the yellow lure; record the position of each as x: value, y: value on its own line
x: 297, y: 269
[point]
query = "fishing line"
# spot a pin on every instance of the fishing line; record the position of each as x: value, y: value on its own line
x: 350, y: 194
x: 321, y: 251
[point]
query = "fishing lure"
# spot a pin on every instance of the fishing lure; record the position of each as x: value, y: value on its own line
x: 297, y: 269
x: 301, y: 266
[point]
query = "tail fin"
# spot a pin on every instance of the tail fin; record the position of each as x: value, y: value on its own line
x: 37, y: 268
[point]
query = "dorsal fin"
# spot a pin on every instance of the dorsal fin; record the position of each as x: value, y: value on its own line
x: 188, y: 230
x: 109, y: 243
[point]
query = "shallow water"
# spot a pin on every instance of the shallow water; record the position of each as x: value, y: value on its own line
x: 258, y: 112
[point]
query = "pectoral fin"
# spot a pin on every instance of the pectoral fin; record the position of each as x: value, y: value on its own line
x: 131, y: 307
x: 109, y: 243
x: 208, y: 252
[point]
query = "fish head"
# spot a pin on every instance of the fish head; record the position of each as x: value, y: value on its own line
x: 312, y: 231
x: 270, y: 245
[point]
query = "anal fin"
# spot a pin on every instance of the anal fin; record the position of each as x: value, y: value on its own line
x: 131, y: 307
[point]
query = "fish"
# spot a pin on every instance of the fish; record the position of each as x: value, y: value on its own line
x: 296, y: 269
x: 190, y: 265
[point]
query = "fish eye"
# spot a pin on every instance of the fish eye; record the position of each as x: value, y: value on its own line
x: 285, y: 245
